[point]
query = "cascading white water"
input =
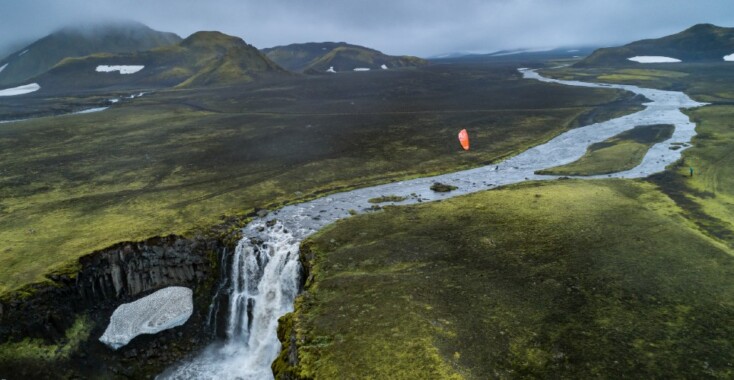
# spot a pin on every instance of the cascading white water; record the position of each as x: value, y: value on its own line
x: 265, y: 272
x: 264, y: 284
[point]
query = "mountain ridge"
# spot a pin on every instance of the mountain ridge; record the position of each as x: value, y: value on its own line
x: 78, y: 41
x: 698, y: 43
x: 317, y: 57
x: 205, y: 58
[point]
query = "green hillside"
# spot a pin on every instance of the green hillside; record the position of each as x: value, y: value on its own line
x: 699, y: 43
x: 202, y: 59
x: 320, y: 56
x: 78, y: 41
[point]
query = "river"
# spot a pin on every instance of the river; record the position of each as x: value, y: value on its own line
x: 264, y: 275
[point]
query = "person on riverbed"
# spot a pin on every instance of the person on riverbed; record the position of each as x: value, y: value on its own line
x: 691, y: 170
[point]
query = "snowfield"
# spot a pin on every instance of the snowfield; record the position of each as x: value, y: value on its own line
x: 331, y: 70
x: 6, y: 65
x: 20, y: 90
x: 123, y: 69
x: 653, y: 59
x: 361, y: 69
x: 90, y: 110
x: 384, y: 67
x: 728, y: 58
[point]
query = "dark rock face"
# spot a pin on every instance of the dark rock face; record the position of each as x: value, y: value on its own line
x: 108, y: 278
x: 130, y: 269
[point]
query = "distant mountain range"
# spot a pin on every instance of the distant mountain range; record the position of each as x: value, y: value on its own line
x: 127, y: 55
x: 79, y: 41
x: 318, y: 57
x: 202, y: 59
x: 517, y: 55
x: 700, y: 43
x: 131, y: 55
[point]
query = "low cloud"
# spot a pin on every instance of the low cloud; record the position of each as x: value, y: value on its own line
x: 418, y: 27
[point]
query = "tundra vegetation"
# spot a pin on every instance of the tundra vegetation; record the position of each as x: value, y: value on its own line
x: 177, y: 161
x: 573, y: 279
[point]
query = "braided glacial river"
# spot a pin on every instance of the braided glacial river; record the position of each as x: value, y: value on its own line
x: 264, y: 277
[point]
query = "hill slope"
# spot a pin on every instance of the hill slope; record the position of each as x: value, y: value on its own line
x: 43, y: 54
x: 699, y: 43
x: 202, y: 59
x: 320, y: 56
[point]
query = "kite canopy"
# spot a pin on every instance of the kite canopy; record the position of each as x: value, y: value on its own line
x: 464, y: 139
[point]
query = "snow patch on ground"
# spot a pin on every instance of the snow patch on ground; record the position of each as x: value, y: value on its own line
x: 361, y: 69
x: 113, y: 101
x: 123, y: 69
x: 90, y: 110
x: 20, y: 90
x: 165, y: 309
x: 331, y: 70
x: 384, y: 67
x: 653, y: 59
x: 23, y: 52
x: 728, y: 58
x: 6, y: 65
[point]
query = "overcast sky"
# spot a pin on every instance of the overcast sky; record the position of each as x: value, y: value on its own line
x: 417, y: 27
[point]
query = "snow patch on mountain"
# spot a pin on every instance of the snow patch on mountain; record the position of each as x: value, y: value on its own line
x: 20, y: 90
x: 653, y: 59
x: 123, y: 69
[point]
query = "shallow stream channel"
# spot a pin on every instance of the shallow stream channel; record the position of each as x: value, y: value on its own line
x: 264, y: 277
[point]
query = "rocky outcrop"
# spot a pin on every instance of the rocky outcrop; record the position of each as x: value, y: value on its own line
x: 129, y: 269
x: 107, y: 278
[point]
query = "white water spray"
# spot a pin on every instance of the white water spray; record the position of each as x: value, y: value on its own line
x: 265, y: 279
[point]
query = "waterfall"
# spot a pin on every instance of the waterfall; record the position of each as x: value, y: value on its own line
x: 263, y: 284
x: 263, y: 279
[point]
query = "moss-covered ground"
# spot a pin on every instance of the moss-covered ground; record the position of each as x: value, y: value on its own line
x: 567, y: 279
x: 708, y: 196
x: 705, y: 82
x: 619, y: 153
x: 34, y: 351
x: 177, y: 161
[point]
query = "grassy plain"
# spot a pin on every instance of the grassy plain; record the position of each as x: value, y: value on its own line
x: 707, y: 197
x: 568, y: 279
x: 177, y: 161
x: 619, y: 153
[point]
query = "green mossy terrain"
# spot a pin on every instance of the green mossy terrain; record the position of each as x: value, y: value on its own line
x: 35, y: 351
x: 619, y: 153
x: 708, y: 197
x: 567, y: 279
x: 177, y: 161
x: 704, y: 82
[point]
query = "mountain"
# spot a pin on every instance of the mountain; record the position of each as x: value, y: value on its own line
x: 519, y: 56
x: 78, y: 41
x: 700, y: 43
x: 320, y: 56
x: 202, y: 59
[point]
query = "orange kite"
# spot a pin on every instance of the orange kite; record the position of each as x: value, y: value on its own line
x: 464, y: 139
